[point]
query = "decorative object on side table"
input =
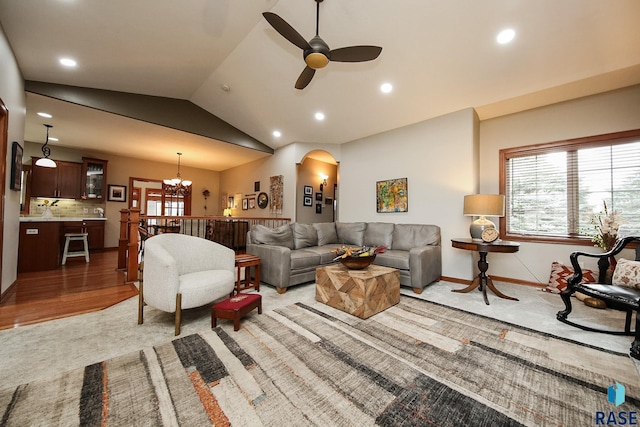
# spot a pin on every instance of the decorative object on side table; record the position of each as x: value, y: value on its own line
x: 605, y: 235
x: 358, y: 258
x: 482, y: 205
x: 490, y: 235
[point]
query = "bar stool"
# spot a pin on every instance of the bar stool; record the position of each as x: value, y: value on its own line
x: 70, y: 237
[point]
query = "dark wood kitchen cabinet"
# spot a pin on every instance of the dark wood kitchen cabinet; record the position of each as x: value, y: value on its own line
x: 38, y: 246
x: 94, y: 179
x: 94, y: 229
x: 63, y: 181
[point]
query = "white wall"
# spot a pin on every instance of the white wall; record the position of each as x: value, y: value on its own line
x: 599, y: 114
x: 12, y: 94
x: 439, y: 159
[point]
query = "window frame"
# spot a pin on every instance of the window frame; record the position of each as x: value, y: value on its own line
x: 568, y: 145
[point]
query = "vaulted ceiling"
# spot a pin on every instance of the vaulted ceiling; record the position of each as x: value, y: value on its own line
x: 223, y: 56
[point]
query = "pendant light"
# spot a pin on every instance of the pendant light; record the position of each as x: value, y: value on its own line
x: 177, y: 185
x: 45, y: 161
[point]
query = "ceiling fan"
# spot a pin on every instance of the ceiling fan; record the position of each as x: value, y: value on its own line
x: 316, y: 52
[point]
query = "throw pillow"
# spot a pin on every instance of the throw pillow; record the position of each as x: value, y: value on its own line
x: 326, y: 233
x: 304, y: 235
x: 281, y: 236
x: 378, y: 234
x: 559, y: 275
x: 627, y: 273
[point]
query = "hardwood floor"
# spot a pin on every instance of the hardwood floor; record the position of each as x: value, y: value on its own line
x: 75, y: 288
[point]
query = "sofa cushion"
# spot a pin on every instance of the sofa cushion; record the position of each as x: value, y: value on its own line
x: 281, y: 236
x: 303, y: 258
x: 407, y: 236
x: 351, y: 233
x: 378, y: 234
x: 326, y: 253
x: 326, y: 233
x: 304, y: 235
x: 393, y: 259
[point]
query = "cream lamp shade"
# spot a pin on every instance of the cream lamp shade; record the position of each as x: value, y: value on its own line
x: 483, y: 205
x: 227, y: 212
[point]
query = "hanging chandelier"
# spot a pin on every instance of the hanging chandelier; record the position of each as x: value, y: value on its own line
x: 45, y: 161
x: 177, y: 185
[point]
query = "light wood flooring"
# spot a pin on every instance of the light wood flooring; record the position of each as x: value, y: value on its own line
x: 75, y: 288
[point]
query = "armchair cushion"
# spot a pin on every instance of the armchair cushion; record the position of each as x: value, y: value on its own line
x: 627, y: 273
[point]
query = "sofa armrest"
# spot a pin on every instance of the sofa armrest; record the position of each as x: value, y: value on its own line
x: 275, y: 263
x: 425, y: 264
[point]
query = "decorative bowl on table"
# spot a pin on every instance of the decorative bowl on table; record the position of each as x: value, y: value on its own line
x: 358, y: 258
x: 357, y: 262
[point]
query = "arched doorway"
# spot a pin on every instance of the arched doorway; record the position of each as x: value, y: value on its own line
x: 317, y: 188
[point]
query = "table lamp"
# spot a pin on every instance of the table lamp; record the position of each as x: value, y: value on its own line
x: 482, y: 205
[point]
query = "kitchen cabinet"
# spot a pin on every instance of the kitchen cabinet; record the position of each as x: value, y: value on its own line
x: 94, y: 229
x: 94, y: 179
x: 62, y: 181
x: 38, y: 248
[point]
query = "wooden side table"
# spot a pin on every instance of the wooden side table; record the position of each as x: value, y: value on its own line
x: 247, y: 261
x: 483, y: 280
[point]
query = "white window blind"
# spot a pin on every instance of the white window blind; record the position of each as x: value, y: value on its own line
x: 555, y: 189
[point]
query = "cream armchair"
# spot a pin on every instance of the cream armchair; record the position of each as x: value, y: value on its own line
x: 182, y: 272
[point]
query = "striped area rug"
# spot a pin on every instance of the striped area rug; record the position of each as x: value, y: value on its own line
x: 415, y: 364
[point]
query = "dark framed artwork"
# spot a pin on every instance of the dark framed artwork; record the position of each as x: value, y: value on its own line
x: 117, y: 193
x: 263, y: 200
x: 328, y: 201
x: 252, y: 202
x: 319, y: 196
x: 392, y: 195
x: 245, y: 204
x: 318, y: 208
x: 16, y: 166
x: 308, y: 190
x: 256, y: 186
x: 308, y: 201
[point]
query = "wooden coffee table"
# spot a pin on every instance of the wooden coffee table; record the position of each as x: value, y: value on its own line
x: 361, y: 293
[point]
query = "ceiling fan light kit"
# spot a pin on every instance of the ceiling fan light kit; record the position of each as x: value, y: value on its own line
x: 316, y: 52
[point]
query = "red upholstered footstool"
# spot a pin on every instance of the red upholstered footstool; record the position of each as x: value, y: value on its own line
x: 235, y: 308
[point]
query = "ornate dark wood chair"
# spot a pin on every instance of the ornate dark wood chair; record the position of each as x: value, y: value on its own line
x: 621, y: 298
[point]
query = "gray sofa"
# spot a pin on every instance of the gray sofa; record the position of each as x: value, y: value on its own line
x: 291, y: 253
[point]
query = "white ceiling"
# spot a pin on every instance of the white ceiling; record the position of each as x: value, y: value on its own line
x: 441, y: 56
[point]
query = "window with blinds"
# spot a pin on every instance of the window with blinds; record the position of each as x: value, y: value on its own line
x: 553, y: 190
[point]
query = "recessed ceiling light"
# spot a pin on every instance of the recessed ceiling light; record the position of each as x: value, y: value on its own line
x: 386, y: 87
x: 505, y: 36
x: 68, y: 62
x: 277, y: 133
x: 319, y: 115
x: 45, y: 115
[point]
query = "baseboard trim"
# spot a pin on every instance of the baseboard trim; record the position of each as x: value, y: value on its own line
x: 497, y: 279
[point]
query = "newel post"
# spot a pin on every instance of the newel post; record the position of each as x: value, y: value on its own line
x: 132, y: 247
x: 123, y: 241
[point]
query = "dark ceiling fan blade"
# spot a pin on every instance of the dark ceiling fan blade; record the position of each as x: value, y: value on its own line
x: 286, y: 30
x: 305, y: 77
x: 355, y: 53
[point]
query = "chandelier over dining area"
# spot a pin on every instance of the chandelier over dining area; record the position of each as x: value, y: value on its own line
x: 177, y: 185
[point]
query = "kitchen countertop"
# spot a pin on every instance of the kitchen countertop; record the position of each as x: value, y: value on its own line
x: 59, y: 219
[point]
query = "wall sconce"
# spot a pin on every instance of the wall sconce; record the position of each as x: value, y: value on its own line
x: 482, y: 205
x: 206, y: 193
x: 227, y: 212
x: 324, y: 181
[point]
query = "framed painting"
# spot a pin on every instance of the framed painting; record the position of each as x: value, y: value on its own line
x: 117, y: 193
x: 308, y: 201
x: 318, y: 208
x: 252, y: 202
x: 308, y: 190
x: 245, y: 204
x: 319, y: 196
x: 392, y: 196
x: 16, y: 166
